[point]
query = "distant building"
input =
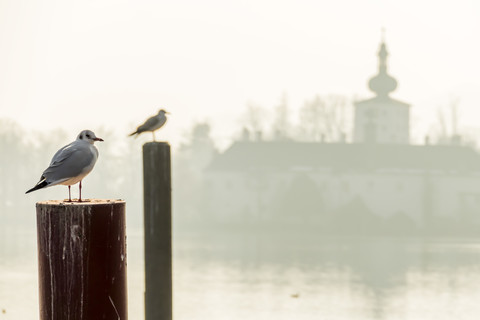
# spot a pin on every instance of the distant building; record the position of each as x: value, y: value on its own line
x: 382, y: 119
x: 378, y: 175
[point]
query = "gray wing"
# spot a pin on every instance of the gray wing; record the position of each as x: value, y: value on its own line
x: 63, y: 153
x: 161, y: 121
x: 150, y: 124
x: 68, y: 162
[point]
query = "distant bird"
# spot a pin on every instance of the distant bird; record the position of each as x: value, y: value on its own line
x: 71, y: 164
x: 152, y: 124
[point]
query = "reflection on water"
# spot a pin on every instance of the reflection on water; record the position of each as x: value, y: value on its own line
x: 283, y: 277
x: 346, y: 278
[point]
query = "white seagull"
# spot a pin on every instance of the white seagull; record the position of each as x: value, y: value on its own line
x: 71, y: 164
x: 152, y: 124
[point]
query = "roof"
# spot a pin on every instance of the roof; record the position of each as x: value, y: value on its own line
x: 247, y: 155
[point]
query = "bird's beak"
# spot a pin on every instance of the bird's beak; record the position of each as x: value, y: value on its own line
x: 98, y: 139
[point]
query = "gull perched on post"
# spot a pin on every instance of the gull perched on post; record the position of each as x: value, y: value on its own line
x: 71, y: 164
x: 152, y: 124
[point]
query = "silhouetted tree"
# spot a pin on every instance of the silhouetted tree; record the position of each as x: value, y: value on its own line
x: 355, y: 218
x: 300, y: 202
x: 323, y: 118
x: 189, y: 165
x: 281, y: 124
x: 254, y: 119
x: 13, y: 152
x: 446, y: 130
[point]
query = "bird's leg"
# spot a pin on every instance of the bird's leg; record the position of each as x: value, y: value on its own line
x: 69, y: 195
x: 153, y: 134
x: 80, y: 191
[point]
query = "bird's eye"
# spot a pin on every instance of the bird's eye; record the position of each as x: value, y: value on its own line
x: 88, y: 136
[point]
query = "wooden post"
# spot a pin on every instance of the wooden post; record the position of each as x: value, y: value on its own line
x: 158, y: 230
x: 82, y: 260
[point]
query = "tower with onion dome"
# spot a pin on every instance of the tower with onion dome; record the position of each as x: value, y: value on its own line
x: 381, y: 119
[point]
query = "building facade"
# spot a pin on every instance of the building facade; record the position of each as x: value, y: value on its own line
x: 378, y: 178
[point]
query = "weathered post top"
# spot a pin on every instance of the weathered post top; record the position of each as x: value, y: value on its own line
x: 85, y: 202
x: 156, y: 143
x: 156, y: 146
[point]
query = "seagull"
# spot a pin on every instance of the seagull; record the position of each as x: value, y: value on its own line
x: 71, y: 164
x: 152, y: 124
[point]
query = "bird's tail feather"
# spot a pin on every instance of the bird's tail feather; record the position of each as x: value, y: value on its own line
x: 40, y: 185
x: 133, y: 133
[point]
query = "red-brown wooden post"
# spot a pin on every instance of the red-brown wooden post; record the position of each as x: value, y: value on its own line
x: 82, y: 260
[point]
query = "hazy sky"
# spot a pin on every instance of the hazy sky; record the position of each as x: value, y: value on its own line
x: 112, y: 63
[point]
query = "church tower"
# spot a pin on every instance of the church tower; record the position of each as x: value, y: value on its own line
x: 382, y: 119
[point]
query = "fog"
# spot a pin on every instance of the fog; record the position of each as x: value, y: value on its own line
x: 112, y: 63
x: 325, y: 159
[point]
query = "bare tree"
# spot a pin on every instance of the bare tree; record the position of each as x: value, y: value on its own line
x: 324, y: 118
x: 446, y: 130
x: 190, y: 163
x: 254, y: 118
x: 281, y: 125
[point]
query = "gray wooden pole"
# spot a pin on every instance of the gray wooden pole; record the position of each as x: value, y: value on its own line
x: 82, y: 260
x: 158, y: 230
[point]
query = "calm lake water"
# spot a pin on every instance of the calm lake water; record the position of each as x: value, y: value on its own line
x: 229, y: 277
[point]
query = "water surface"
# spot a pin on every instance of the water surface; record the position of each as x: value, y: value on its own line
x: 282, y: 277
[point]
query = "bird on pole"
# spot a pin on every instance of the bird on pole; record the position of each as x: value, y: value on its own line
x: 152, y: 124
x: 71, y: 164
